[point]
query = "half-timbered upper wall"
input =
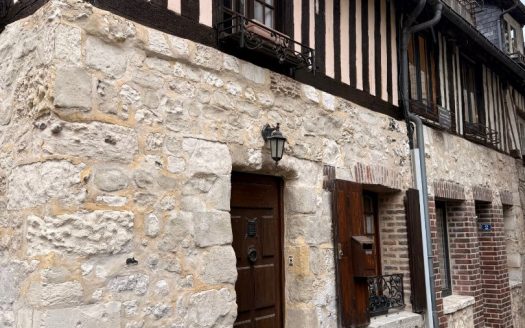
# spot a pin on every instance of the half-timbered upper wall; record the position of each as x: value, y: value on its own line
x: 355, y: 41
x: 497, y: 102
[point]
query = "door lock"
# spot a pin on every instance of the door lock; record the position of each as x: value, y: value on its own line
x: 252, y: 254
x: 339, y: 251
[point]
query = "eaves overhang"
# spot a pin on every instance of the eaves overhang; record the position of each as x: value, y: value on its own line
x: 470, y: 31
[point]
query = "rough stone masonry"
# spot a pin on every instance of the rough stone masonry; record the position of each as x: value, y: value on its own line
x: 118, y: 141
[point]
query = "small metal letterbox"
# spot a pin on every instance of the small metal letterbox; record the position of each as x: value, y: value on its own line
x: 363, y: 259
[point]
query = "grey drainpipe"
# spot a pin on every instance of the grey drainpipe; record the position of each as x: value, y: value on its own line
x: 418, y: 155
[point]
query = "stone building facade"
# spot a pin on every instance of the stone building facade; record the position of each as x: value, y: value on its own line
x: 118, y: 143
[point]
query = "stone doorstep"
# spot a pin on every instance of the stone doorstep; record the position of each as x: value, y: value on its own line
x: 455, y: 303
x: 402, y: 319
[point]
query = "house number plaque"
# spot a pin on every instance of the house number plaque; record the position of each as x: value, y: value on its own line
x: 486, y: 227
x: 252, y: 228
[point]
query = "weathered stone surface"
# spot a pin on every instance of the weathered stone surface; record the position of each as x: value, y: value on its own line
x: 81, y: 233
x: 11, y: 275
x: 73, y: 88
x: 212, y: 228
x: 67, y: 44
x: 114, y: 201
x: 56, y: 295
x: 162, y: 288
x: 207, y: 156
x: 314, y: 230
x: 101, y: 141
x: 211, y: 308
x: 90, y: 316
x: 152, y: 225
x: 207, y: 57
x: 158, y: 44
x: 301, y: 199
x: 108, y: 58
x: 179, y: 232
x: 301, y: 318
x: 254, y: 73
x: 218, y: 265
x: 35, y: 184
x: 136, y: 283
x: 110, y: 179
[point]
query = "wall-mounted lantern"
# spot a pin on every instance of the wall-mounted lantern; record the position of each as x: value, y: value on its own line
x: 276, y: 139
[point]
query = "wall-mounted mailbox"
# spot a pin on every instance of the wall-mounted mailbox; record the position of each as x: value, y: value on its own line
x: 363, y: 258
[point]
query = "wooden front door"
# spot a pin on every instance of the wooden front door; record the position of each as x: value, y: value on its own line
x: 354, y: 215
x: 257, y: 241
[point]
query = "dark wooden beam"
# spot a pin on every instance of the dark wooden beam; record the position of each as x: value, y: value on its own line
x: 11, y: 12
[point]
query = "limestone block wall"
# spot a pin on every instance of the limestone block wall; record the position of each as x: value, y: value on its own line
x: 518, y: 307
x: 118, y: 142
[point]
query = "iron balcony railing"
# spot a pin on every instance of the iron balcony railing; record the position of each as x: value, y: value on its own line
x: 518, y: 58
x: 251, y: 34
x: 482, y: 134
x: 384, y: 293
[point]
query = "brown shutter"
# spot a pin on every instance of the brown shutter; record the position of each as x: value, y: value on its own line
x: 348, y: 222
x: 415, y: 252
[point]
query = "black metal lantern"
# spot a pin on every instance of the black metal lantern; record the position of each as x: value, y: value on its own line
x: 276, y: 139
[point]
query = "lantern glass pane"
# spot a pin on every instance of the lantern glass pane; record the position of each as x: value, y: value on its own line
x: 273, y: 147
x: 280, y: 147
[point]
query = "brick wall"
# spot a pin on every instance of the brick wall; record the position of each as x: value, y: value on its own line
x: 394, y: 240
x: 478, y: 263
x: 493, y: 265
x: 435, y: 264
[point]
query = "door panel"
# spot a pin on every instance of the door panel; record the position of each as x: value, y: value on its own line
x: 348, y: 222
x: 257, y: 241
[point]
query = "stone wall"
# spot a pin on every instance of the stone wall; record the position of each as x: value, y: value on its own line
x: 518, y: 307
x: 118, y: 142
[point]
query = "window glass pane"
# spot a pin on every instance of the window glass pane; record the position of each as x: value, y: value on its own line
x: 258, y: 12
x: 412, y: 70
x: 228, y: 4
x: 268, y: 19
x: 369, y: 226
x: 242, y: 7
x: 443, y: 255
x: 424, y: 69
x: 270, y: 2
x: 513, y: 41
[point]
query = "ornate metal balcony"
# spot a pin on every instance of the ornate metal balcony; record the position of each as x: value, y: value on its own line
x: 384, y: 293
x: 481, y: 134
x: 252, y: 35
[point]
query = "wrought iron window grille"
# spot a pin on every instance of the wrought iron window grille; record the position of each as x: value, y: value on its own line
x: 385, y: 293
x: 253, y: 35
x: 481, y: 134
x: 433, y: 115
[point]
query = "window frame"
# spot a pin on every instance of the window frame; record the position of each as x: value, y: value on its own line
x: 277, y: 7
x: 471, y: 106
x: 423, y: 57
x: 443, y: 239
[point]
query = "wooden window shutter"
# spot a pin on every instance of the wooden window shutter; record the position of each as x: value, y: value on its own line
x: 415, y: 251
x: 347, y: 199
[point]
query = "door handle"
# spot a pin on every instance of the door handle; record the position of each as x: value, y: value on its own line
x: 339, y: 251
